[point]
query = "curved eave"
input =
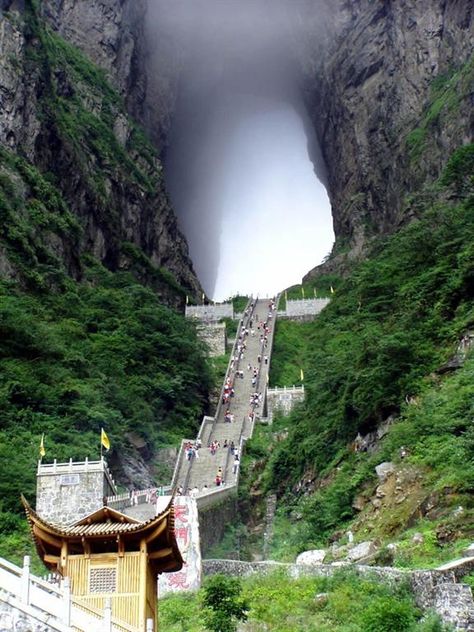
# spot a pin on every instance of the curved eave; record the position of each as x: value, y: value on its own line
x: 158, y: 532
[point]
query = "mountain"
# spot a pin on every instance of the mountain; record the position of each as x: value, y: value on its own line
x: 93, y: 266
x: 68, y: 118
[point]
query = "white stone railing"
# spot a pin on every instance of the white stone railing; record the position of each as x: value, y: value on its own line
x: 34, y: 596
x: 302, y: 308
x: 137, y: 497
x: 53, y: 605
x: 76, y: 467
x: 283, y: 390
x: 210, y: 313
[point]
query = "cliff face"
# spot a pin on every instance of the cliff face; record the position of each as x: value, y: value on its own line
x: 373, y: 78
x: 59, y: 112
x: 376, y: 88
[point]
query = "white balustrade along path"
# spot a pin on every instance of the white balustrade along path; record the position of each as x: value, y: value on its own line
x: 28, y: 602
x: 200, y: 472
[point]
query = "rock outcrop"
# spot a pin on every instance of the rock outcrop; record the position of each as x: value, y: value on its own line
x: 376, y: 87
x: 59, y: 112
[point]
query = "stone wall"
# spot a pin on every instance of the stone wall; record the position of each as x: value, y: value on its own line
x: 66, y: 492
x: 214, y: 336
x: 214, y: 520
x: 433, y: 590
x: 283, y: 399
x: 210, y: 313
x: 303, y: 309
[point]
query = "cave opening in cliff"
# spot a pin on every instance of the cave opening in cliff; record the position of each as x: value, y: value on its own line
x: 242, y: 162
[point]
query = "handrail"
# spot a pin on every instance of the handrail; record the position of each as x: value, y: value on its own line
x: 98, y: 614
x: 19, y: 572
x: 179, y: 461
x: 286, y: 389
x: 136, y: 497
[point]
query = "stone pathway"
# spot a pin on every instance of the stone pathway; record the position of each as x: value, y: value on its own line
x: 202, y: 471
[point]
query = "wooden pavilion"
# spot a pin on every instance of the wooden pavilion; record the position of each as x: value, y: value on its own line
x: 110, y: 555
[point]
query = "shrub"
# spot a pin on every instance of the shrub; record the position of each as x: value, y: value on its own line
x: 386, y: 614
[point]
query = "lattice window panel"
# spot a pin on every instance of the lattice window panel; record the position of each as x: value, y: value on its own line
x: 103, y: 580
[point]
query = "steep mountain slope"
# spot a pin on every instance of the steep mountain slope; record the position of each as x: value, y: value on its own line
x: 388, y: 367
x: 368, y: 84
x: 92, y: 265
x: 59, y: 112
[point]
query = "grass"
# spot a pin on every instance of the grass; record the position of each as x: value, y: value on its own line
x: 343, y: 603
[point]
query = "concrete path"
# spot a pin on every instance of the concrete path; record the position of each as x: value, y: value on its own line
x: 202, y: 471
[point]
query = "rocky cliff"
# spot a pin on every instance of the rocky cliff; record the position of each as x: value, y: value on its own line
x: 374, y: 79
x: 71, y: 120
x: 389, y: 91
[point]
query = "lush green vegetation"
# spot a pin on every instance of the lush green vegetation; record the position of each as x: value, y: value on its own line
x: 289, y: 355
x: 104, y: 352
x: 82, y: 347
x: 342, y: 603
x: 239, y: 302
x: 224, y: 607
x: 372, y: 353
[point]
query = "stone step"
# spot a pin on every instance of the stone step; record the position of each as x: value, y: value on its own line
x: 202, y: 471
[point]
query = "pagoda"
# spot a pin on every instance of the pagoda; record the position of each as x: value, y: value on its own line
x: 110, y: 557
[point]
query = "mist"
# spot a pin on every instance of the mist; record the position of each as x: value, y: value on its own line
x: 242, y: 165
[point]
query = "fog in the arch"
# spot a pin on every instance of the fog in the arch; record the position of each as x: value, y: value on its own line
x: 242, y: 158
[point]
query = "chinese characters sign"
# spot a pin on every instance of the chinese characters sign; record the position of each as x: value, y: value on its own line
x: 187, y: 537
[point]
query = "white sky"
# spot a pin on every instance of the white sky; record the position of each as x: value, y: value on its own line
x: 276, y: 216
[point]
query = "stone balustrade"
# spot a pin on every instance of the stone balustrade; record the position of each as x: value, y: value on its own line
x: 303, y: 309
x: 210, y: 313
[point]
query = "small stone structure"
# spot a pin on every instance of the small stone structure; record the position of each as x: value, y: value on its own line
x: 283, y: 399
x: 66, y: 492
x: 210, y: 313
x: 303, y: 309
x: 214, y: 336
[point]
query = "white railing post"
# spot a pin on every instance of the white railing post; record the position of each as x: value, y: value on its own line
x: 107, y: 615
x: 25, y: 580
x: 66, y: 589
x: 149, y: 625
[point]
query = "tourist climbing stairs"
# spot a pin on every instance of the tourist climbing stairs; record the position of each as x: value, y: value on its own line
x: 198, y: 474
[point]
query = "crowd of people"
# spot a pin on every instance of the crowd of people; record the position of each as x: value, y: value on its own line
x: 248, y: 324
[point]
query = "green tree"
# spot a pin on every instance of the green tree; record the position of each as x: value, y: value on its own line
x: 224, y: 607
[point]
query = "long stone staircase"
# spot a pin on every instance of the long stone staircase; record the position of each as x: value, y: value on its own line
x: 200, y: 472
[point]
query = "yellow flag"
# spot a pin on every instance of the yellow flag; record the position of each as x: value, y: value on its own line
x: 302, y: 375
x: 286, y: 295
x: 302, y: 291
x: 314, y: 290
x: 187, y: 299
x: 104, y: 439
x: 42, y: 451
x: 332, y: 290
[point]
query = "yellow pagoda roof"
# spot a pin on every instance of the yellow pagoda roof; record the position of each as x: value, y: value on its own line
x: 106, y: 525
